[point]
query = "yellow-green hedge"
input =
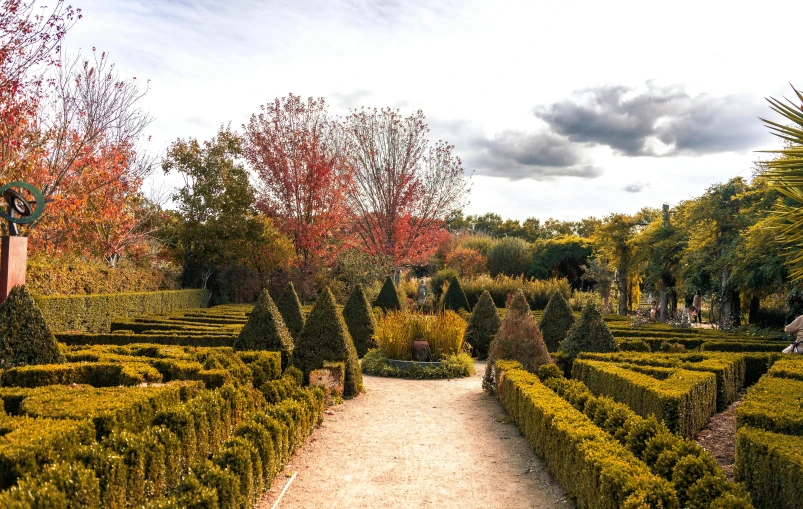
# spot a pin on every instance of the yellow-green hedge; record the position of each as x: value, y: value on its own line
x: 168, y: 338
x: 770, y: 464
x: 96, y: 374
x: 94, y: 313
x: 685, y: 400
x: 789, y: 367
x: 773, y: 404
x: 593, y: 468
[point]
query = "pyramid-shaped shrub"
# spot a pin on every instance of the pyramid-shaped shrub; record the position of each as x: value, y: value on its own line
x: 483, y: 325
x: 556, y: 321
x: 359, y: 319
x: 588, y: 334
x: 265, y: 330
x: 388, y: 298
x: 519, y: 338
x: 326, y: 338
x: 455, y: 298
x: 24, y: 335
x: 290, y: 308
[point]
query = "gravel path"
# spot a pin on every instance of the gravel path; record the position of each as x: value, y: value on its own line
x: 417, y: 444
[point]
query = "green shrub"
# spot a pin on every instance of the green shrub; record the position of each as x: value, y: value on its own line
x: 265, y: 330
x: 537, y: 291
x: 360, y: 320
x: 24, y: 336
x: 439, y: 280
x: 556, y: 321
x: 96, y: 374
x: 685, y: 400
x: 455, y: 298
x: 60, y: 486
x: 326, y: 338
x: 388, y: 298
x: 593, y: 468
x: 768, y: 464
x: 518, y: 337
x: 290, y: 308
x: 509, y: 256
x: 787, y: 368
x: 94, y: 313
x: 773, y: 404
x: 588, y: 334
x: 170, y: 338
x: 451, y: 366
x: 483, y: 325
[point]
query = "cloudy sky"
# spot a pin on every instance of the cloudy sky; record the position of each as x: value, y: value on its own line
x: 560, y: 109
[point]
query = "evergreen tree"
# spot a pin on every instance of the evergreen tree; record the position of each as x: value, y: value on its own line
x: 483, y: 325
x: 556, y: 321
x: 519, y: 338
x: 588, y: 334
x: 325, y: 337
x: 388, y: 298
x: 24, y: 335
x: 455, y: 298
x: 265, y: 330
x: 360, y: 320
x: 290, y: 308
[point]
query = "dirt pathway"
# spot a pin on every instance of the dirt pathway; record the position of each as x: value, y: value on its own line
x: 418, y: 444
x: 719, y: 437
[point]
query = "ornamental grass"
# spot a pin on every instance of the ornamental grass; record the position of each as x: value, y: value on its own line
x: 397, y: 330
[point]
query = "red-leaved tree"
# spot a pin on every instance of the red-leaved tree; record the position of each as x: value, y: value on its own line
x: 297, y: 152
x: 403, y: 188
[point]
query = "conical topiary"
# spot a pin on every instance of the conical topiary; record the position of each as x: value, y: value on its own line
x: 483, y: 325
x: 359, y: 319
x: 24, y: 335
x: 588, y: 334
x: 388, y: 298
x: 290, y: 308
x: 556, y: 321
x: 455, y: 298
x: 519, y: 338
x: 265, y: 330
x: 326, y: 338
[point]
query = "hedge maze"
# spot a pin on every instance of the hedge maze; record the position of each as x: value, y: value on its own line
x: 602, y: 420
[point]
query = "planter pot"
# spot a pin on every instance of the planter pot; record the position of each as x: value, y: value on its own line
x: 421, y: 350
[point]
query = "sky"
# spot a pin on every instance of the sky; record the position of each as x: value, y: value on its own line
x: 562, y: 109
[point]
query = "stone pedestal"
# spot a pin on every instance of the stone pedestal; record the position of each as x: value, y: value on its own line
x: 13, y: 262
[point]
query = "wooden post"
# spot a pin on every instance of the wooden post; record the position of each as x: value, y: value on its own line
x: 13, y: 263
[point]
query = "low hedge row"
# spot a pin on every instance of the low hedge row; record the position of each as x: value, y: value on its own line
x: 153, y: 324
x: 730, y: 369
x: 94, y: 313
x: 593, y: 468
x: 96, y: 374
x: 452, y: 366
x: 693, y: 472
x: 743, y: 346
x: 685, y: 400
x: 773, y: 404
x: 168, y: 338
x: 788, y: 368
x: 768, y: 464
x: 210, y: 448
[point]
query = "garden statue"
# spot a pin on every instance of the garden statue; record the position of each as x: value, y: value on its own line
x: 422, y: 294
x: 17, y: 209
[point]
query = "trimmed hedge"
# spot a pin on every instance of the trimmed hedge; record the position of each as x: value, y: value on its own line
x: 360, y: 320
x: 743, y: 346
x: 455, y: 298
x: 518, y: 337
x: 388, y: 298
x: 787, y: 368
x: 96, y: 374
x: 769, y: 465
x: 773, y: 404
x: 482, y: 326
x: 24, y: 336
x: 94, y: 313
x: 556, y: 321
x: 265, y: 330
x: 290, y: 308
x: 588, y: 334
x: 693, y: 472
x: 326, y: 338
x: 594, y: 469
x: 729, y: 369
x: 200, y: 340
x: 685, y: 400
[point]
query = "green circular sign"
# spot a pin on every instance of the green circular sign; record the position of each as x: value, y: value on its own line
x: 27, y: 214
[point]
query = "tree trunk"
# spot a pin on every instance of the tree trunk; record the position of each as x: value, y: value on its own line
x: 663, y: 301
x: 755, y: 305
x: 622, y: 293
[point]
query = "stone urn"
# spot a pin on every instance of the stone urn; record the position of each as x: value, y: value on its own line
x: 420, y: 350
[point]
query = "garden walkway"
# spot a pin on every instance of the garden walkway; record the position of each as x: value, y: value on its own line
x: 417, y: 444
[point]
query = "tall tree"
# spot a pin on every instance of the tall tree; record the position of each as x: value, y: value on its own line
x: 404, y: 188
x: 297, y: 152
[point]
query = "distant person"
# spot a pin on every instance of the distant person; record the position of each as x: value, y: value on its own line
x: 796, y: 329
x: 697, y: 302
